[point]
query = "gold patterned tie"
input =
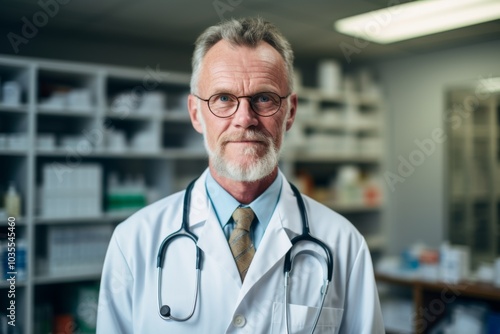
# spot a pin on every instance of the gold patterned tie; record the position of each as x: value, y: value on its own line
x: 240, y: 242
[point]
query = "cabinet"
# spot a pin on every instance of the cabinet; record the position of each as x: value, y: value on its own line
x: 86, y: 145
x: 473, y: 156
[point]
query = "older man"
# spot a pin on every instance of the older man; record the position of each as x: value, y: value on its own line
x: 243, y: 215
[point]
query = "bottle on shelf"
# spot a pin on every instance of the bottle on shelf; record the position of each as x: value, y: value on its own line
x: 12, y: 202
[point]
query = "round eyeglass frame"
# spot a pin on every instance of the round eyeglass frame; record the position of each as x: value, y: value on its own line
x: 238, y: 105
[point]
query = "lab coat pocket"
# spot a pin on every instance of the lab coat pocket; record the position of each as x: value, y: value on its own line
x: 301, y: 318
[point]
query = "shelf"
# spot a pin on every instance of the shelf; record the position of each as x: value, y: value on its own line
x: 65, y: 112
x: 165, y: 154
x: 5, y: 285
x: 105, y: 218
x: 13, y: 109
x: 353, y: 208
x: 331, y: 158
x: 67, y: 278
x: 12, y: 152
x: 20, y: 221
x: 177, y: 117
x: 164, y: 115
x: 132, y: 116
x: 317, y: 94
x: 368, y: 100
x: 340, y: 126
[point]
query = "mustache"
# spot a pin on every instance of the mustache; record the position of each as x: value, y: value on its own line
x: 250, y: 135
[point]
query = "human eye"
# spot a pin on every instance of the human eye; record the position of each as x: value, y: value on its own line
x: 265, y: 98
x: 224, y: 98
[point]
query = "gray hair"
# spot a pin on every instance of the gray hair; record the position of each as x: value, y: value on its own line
x: 242, y: 32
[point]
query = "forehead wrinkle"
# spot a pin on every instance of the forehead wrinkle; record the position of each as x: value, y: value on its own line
x: 246, y: 74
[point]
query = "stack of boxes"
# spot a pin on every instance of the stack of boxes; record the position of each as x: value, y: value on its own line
x: 71, y: 191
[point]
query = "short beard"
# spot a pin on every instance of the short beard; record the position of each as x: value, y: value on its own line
x: 241, y: 170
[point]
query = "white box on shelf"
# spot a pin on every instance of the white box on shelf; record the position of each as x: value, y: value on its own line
x: 329, y: 76
x: 76, y: 249
x: 11, y: 93
x: 152, y: 103
x: 116, y: 141
x: 17, y: 141
x: 3, y: 141
x: 46, y: 142
x: 75, y: 193
x: 80, y: 100
x: 145, y: 141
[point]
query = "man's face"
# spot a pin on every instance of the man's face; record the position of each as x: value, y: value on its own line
x: 245, y: 146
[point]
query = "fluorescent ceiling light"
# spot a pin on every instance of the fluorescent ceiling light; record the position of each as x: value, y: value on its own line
x: 418, y: 18
x: 491, y: 85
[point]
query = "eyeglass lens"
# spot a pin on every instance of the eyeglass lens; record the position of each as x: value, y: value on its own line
x: 226, y: 104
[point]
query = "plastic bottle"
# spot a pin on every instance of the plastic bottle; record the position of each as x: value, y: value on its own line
x: 12, y: 202
x: 21, y: 261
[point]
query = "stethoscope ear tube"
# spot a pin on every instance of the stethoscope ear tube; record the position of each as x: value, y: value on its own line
x: 306, y: 236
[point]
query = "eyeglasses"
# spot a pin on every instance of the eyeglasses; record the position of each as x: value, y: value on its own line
x: 224, y: 105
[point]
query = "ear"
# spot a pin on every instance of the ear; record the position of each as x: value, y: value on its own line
x: 193, y: 113
x: 293, y: 109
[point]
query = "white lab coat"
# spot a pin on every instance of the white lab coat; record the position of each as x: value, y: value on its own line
x: 128, y: 295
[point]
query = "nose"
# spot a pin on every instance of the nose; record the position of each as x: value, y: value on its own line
x: 245, y: 117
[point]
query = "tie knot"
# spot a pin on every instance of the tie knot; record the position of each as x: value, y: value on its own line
x: 243, y: 218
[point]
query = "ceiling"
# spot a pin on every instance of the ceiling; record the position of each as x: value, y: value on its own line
x: 308, y: 25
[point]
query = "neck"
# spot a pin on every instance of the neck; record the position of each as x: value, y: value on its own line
x: 245, y: 192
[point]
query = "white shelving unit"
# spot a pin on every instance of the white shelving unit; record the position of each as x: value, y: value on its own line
x: 172, y: 152
x: 331, y: 131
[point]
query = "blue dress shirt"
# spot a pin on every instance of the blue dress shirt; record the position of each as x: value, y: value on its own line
x: 263, y: 206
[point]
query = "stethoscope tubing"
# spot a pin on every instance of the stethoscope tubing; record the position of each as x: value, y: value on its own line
x: 183, y: 231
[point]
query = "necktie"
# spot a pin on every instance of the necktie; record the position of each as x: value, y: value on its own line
x: 239, y: 240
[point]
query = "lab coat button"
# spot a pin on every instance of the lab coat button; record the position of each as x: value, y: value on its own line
x: 239, y: 321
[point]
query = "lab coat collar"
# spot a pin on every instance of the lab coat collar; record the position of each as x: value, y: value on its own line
x: 287, y: 210
x: 200, y: 204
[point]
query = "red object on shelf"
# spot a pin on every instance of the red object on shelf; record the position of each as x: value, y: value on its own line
x: 64, y: 324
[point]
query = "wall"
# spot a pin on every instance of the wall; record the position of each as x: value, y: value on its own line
x: 415, y: 90
x: 117, y: 51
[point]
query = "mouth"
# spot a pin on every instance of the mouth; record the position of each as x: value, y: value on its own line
x: 246, y: 142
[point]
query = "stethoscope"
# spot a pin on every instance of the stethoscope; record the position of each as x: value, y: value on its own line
x: 327, y: 264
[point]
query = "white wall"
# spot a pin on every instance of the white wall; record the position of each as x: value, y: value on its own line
x: 415, y: 90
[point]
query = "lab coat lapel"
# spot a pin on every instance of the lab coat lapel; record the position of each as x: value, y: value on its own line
x: 284, y: 225
x: 211, y: 239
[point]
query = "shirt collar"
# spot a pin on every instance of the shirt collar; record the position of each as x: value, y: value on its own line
x: 224, y: 204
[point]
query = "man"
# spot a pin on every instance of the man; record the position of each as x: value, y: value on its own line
x: 242, y: 101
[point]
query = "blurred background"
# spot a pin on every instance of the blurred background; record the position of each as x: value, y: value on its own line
x: 401, y: 136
